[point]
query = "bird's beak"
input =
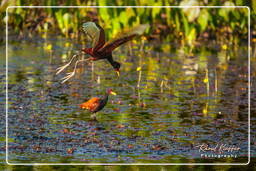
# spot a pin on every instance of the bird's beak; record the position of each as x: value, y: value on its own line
x: 117, y: 72
x: 113, y: 93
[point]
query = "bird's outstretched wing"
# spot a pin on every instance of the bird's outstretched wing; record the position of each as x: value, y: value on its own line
x: 96, y: 33
x: 124, y: 37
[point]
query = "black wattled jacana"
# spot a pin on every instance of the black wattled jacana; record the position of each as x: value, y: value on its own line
x: 102, y: 50
x: 96, y: 104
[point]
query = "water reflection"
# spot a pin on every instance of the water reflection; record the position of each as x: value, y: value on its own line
x: 168, y: 101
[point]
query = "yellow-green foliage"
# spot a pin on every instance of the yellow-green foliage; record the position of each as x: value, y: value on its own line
x: 188, y: 22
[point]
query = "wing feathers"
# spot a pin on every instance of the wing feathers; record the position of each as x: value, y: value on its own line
x: 114, y: 44
x: 96, y: 33
x: 101, y: 40
x: 90, y: 104
x: 125, y: 37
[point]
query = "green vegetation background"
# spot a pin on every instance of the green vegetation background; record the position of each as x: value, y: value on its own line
x: 186, y: 24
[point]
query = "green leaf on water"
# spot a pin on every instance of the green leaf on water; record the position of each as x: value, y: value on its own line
x: 116, y: 27
x: 224, y: 12
x: 239, y: 2
x: 60, y: 22
x: 253, y: 7
x: 177, y: 21
x: 66, y: 19
x: 156, y: 11
x: 192, y: 36
x: 203, y: 19
x: 123, y: 18
x: 185, y: 23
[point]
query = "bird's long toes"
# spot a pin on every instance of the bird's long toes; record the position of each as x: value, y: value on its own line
x: 64, y: 80
x: 60, y: 69
x: 67, y: 77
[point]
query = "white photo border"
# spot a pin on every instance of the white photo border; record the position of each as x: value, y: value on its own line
x: 249, y: 86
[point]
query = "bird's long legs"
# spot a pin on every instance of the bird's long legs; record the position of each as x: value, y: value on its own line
x: 60, y: 69
x: 71, y: 74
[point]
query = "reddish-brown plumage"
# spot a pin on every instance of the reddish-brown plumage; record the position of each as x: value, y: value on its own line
x: 95, y: 104
x: 103, y: 50
x: 100, y: 49
x: 91, y: 104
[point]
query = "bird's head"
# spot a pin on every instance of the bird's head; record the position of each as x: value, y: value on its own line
x: 110, y: 91
x: 116, y: 66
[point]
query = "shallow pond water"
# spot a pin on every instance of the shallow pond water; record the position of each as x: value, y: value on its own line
x: 168, y: 103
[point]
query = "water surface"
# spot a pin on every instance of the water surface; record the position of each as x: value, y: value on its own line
x: 177, y: 101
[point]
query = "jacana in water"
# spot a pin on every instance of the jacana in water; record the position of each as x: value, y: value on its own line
x: 96, y: 104
x: 102, y: 50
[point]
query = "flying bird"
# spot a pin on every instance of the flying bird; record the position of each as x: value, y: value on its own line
x: 100, y: 48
